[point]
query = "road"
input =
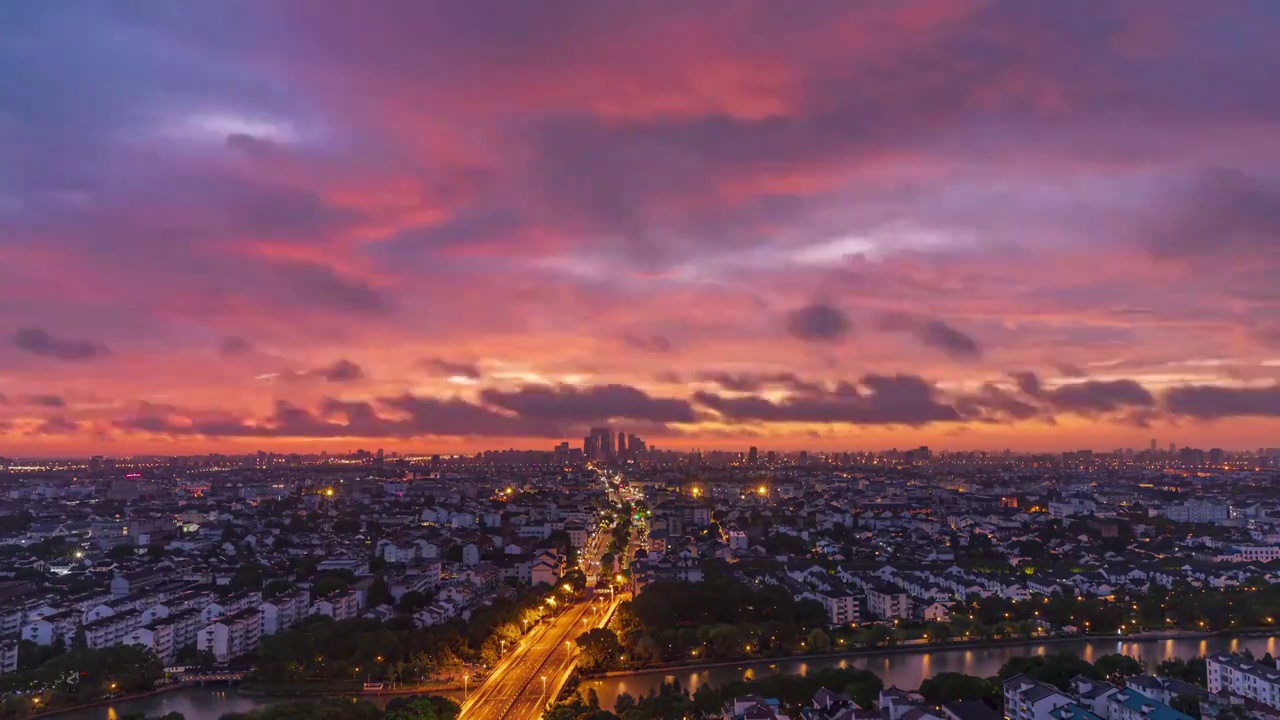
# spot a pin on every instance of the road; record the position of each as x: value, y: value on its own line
x: 515, y: 690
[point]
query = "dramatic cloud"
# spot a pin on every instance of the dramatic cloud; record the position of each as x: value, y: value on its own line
x: 1225, y: 212
x: 1028, y: 382
x: 933, y: 333
x: 341, y: 371
x: 570, y: 404
x: 1211, y: 403
x: 655, y: 200
x: 57, y: 426
x: 321, y: 286
x: 39, y: 341
x: 750, y: 382
x: 649, y: 343
x: 50, y: 401
x: 447, y: 368
x: 1099, y: 396
x: 235, y: 346
x: 875, y: 399
x: 818, y: 323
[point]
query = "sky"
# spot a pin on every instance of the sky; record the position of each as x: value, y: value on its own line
x: 304, y: 225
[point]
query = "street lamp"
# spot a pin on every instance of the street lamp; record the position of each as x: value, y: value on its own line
x: 466, y: 678
x: 544, y: 684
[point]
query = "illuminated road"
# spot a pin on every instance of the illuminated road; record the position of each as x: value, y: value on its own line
x: 515, y: 690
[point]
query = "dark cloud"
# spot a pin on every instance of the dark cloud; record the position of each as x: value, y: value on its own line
x: 754, y: 382
x: 250, y: 146
x: 1223, y: 212
x: 403, y: 416
x: 933, y: 333
x: 57, y: 426
x: 1071, y: 371
x: 234, y: 347
x: 39, y: 341
x: 342, y: 371
x: 875, y: 399
x: 818, y: 322
x: 450, y: 368
x: 1097, y: 396
x: 571, y: 404
x: 1028, y: 382
x: 1209, y: 402
x: 649, y: 343
x: 321, y: 286
x: 995, y: 404
x: 50, y: 401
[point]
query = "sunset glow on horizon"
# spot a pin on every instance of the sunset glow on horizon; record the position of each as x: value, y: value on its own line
x: 306, y: 225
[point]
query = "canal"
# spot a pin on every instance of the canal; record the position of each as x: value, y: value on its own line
x: 902, y: 669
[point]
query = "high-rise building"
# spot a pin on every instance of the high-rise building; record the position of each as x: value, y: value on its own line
x: 635, y: 445
x: 804, y: 457
x: 602, y: 443
x: 622, y: 444
x: 1153, y: 445
x: 1173, y: 448
x: 771, y: 457
x: 589, y: 447
x: 753, y: 455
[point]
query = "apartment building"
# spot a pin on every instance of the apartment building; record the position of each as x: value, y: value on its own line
x: 285, y: 611
x: 1243, y: 677
x: 341, y: 605
x: 1129, y: 704
x: 8, y: 656
x: 887, y: 602
x: 1027, y: 699
x: 231, y: 637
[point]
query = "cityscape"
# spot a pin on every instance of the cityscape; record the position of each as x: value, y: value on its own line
x: 640, y: 360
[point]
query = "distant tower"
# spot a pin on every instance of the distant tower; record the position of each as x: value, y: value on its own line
x: 622, y: 443
x: 753, y: 455
x: 1153, y: 445
x: 804, y: 457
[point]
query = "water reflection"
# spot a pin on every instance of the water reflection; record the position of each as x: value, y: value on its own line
x: 907, y: 670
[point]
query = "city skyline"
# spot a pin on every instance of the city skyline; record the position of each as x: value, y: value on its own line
x: 443, y: 227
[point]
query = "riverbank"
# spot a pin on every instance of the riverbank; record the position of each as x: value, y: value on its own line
x: 100, y: 702
x: 910, y: 647
x: 330, y: 690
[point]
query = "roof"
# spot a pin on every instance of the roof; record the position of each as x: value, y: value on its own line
x: 1152, y: 709
x: 970, y: 710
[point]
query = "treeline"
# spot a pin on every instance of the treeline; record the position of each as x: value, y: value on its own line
x: 414, y: 707
x: 718, y: 618
x: 673, y: 702
x: 1254, y: 603
x: 397, y: 652
x: 77, y: 676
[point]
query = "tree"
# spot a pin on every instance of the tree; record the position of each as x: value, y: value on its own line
x: 951, y: 687
x: 600, y: 650
x: 379, y: 592
x: 276, y: 587
x: 1117, y: 666
x: 1189, y: 704
x: 1056, y: 669
x: 818, y: 641
x: 1194, y: 671
x: 412, y: 601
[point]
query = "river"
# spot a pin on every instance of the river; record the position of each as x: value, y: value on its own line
x: 902, y: 669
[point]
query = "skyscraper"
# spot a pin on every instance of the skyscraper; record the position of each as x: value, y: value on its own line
x: 622, y: 444
x: 753, y: 455
x: 602, y: 440
x: 1153, y: 445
